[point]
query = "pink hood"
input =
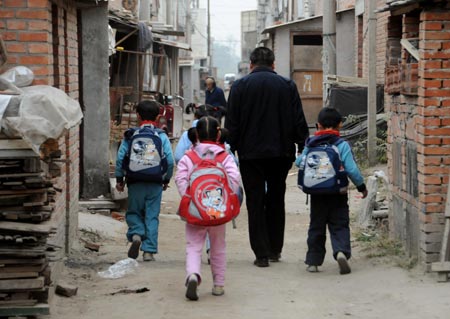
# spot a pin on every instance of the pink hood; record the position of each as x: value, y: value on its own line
x: 185, y: 167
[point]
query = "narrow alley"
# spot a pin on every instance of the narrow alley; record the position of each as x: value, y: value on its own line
x: 376, y: 288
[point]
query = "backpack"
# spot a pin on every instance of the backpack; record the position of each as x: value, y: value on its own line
x: 321, y: 170
x: 145, y: 160
x: 209, y: 199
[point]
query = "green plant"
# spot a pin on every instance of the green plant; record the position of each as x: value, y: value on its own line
x: 360, y: 148
x: 377, y: 244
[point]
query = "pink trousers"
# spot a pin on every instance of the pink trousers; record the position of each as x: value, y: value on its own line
x: 195, y: 239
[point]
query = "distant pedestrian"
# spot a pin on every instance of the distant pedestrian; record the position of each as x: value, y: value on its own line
x: 265, y: 119
x: 325, y: 163
x: 206, y: 140
x: 184, y: 144
x: 215, y: 97
x: 145, y: 164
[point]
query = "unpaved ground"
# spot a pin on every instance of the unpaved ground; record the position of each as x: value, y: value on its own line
x: 375, y: 289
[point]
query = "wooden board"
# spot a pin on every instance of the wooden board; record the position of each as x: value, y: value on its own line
x: 25, y: 228
x: 28, y: 261
x: 23, y: 192
x: 18, y: 275
x: 21, y: 284
x: 20, y: 175
x: 39, y: 309
x: 14, y: 144
x: 23, y: 269
x: 27, y: 302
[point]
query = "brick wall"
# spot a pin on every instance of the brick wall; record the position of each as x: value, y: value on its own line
x: 42, y: 35
x: 418, y: 137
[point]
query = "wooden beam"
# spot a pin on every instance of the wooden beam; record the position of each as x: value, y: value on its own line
x: 410, y: 48
x: 39, y: 309
x: 126, y: 37
x: 26, y: 228
x: 21, y: 284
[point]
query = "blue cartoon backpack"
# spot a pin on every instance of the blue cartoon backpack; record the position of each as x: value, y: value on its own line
x: 322, y: 171
x: 145, y: 160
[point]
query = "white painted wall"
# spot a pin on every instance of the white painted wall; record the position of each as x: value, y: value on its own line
x: 282, y: 52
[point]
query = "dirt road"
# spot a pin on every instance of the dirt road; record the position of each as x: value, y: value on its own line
x: 375, y: 289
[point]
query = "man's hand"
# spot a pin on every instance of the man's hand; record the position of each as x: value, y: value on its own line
x: 120, y: 187
x: 165, y: 186
x: 364, y: 193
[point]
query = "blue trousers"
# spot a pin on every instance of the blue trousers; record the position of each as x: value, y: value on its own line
x: 144, y: 204
x: 331, y: 211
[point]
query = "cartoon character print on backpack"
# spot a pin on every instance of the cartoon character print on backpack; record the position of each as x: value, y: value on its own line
x: 214, y: 202
x: 145, y: 160
x: 321, y: 170
x: 209, y: 199
x: 320, y: 166
x: 144, y: 155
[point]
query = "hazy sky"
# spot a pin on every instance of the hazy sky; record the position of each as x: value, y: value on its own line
x: 226, y: 20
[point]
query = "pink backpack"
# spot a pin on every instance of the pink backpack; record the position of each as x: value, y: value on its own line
x: 209, y: 199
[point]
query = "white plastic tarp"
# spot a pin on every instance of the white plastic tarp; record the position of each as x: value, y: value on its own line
x: 44, y: 113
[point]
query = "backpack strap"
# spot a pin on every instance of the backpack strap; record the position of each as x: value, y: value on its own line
x: 338, y: 141
x: 221, y: 156
x: 193, y: 156
x: 129, y: 133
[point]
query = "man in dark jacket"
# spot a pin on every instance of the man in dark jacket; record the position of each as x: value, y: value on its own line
x: 265, y: 119
x: 215, y: 97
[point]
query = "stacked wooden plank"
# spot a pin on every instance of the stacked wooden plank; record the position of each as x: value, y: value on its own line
x: 27, y: 214
x: 25, y: 272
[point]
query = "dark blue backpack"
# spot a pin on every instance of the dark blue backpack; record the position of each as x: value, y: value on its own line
x: 321, y: 170
x: 145, y: 160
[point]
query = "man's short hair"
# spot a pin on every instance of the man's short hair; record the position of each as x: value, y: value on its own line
x: 262, y: 56
x: 329, y: 118
x: 148, y: 110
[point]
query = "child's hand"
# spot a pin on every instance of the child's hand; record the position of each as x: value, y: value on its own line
x: 364, y: 193
x: 120, y: 187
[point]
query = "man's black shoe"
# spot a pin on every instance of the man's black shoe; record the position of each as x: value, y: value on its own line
x: 261, y: 262
x: 275, y: 258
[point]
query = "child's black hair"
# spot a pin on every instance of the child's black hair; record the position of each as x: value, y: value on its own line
x: 201, y: 110
x: 224, y: 136
x: 207, y: 129
x: 148, y: 110
x: 329, y: 118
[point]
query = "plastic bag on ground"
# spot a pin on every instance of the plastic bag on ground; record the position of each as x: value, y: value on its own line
x: 120, y: 269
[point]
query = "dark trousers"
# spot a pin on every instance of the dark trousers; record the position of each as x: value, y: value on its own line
x: 331, y: 210
x: 265, y: 186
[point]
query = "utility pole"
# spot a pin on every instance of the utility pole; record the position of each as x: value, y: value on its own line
x: 372, y: 88
x: 209, y: 37
x: 329, y: 43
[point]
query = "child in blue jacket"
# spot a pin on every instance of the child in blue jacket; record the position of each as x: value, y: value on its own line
x: 144, y: 198
x: 331, y: 209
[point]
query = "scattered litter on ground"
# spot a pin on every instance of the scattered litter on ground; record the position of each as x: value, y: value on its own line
x: 120, y: 269
x: 130, y: 291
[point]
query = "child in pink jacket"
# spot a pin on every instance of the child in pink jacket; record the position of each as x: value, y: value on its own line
x: 205, y: 140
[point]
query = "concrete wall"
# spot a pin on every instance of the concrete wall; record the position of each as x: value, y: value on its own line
x: 283, y: 52
x: 345, y: 42
x: 95, y: 100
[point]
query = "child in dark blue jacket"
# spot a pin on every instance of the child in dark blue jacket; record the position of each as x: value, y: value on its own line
x: 331, y: 209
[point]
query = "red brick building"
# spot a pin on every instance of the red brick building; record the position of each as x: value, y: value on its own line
x: 418, y: 105
x: 46, y: 36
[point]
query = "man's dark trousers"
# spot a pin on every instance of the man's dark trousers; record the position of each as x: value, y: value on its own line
x: 331, y: 210
x: 265, y: 187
